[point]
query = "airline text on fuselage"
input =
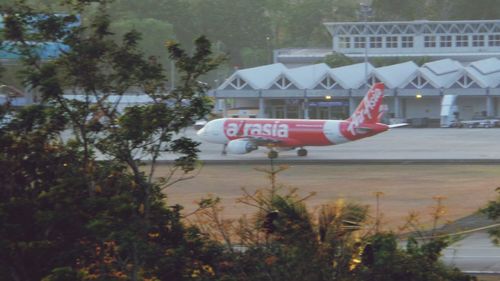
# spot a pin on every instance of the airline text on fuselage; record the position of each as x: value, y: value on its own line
x: 257, y: 129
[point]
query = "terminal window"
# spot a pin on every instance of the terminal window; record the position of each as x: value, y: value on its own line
x: 478, y: 40
x: 430, y: 41
x: 344, y: 42
x: 462, y: 41
x: 445, y: 41
x: 407, y: 41
x: 494, y: 40
x: 375, y: 42
x: 359, y: 42
x: 391, y: 42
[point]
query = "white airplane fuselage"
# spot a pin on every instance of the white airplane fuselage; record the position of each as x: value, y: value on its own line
x: 243, y: 135
x: 287, y: 132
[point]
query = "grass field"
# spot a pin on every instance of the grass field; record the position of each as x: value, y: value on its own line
x: 406, y: 188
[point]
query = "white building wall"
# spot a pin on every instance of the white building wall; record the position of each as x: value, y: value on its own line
x: 252, y: 103
x: 496, y: 107
x: 470, y: 107
x: 429, y: 107
x: 388, y: 106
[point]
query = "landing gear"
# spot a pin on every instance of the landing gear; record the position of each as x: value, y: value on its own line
x: 224, y: 151
x: 272, y: 154
x: 302, y: 152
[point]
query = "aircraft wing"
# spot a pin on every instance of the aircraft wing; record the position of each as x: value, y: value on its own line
x: 363, y: 130
x: 398, y: 125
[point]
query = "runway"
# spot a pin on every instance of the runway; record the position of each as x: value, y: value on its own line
x: 475, y: 254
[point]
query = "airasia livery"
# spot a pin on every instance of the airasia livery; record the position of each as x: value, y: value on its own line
x: 244, y: 135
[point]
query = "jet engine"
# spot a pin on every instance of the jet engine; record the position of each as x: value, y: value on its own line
x: 241, y: 146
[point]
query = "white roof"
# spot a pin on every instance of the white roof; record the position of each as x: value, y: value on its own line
x: 443, y: 67
x: 446, y: 73
x: 261, y: 77
x: 308, y: 76
x: 442, y: 73
x: 352, y: 76
x: 396, y: 75
x: 486, y: 72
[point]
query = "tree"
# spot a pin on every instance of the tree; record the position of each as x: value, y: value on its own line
x: 238, y: 24
x: 176, y: 13
x: 65, y: 212
x: 475, y: 10
x: 383, y: 260
x: 154, y: 34
x: 337, y: 60
x: 492, y: 210
x: 283, y: 240
x: 387, y: 10
x: 304, y: 24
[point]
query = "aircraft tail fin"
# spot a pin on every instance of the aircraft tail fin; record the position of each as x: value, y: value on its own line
x: 368, y: 111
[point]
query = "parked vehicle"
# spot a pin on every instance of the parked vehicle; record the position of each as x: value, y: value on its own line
x: 481, y: 123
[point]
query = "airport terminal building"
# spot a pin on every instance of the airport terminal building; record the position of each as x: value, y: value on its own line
x: 464, y: 65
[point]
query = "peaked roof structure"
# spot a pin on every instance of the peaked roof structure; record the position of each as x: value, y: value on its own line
x: 393, y: 76
x: 486, y: 72
x: 442, y: 74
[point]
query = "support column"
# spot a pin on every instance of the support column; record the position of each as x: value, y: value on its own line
x: 305, y: 105
x: 397, y: 106
x: 224, y: 107
x: 490, y: 108
x: 352, y: 105
x: 495, y: 106
x: 262, y: 108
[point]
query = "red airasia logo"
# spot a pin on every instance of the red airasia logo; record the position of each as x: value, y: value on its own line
x: 246, y: 128
x: 365, y: 116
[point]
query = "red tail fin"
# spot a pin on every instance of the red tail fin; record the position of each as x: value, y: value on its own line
x: 368, y: 110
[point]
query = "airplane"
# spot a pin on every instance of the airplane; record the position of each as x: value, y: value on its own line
x: 244, y: 135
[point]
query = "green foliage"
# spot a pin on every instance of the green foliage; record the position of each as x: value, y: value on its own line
x: 65, y: 213
x: 387, y: 10
x: 255, y: 57
x: 492, y: 210
x: 379, y: 62
x: 262, y: 25
x: 337, y: 60
x: 383, y: 260
x: 482, y: 9
x: 393, y: 10
x: 284, y: 241
x: 154, y: 34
